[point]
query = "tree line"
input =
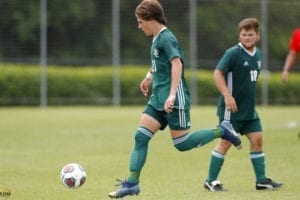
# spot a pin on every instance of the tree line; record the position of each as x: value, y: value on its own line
x: 82, y: 30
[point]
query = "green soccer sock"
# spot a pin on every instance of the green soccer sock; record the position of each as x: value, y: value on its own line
x: 202, y: 137
x: 196, y: 139
x: 258, y: 163
x: 139, y: 154
x: 215, y: 166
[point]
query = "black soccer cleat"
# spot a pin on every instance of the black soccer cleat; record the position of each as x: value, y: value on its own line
x: 268, y: 184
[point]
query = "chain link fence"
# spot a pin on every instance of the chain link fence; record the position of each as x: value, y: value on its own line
x: 81, y: 32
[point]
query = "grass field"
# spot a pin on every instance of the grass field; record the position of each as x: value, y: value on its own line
x: 35, y: 143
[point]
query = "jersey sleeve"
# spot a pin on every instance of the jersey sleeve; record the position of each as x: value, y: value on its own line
x: 171, y: 48
x: 295, y: 41
x: 225, y: 62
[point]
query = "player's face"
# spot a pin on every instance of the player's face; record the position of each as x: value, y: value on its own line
x: 249, y: 38
x: 145, y: 26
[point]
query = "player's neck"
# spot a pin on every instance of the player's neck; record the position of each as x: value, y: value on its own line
x: 157, y: 29
x: 250, y: 49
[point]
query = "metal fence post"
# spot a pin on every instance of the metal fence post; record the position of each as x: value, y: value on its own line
x: 193, y: 49
x: 43, y: 53
x: 264, y: 41
x: 116, y: 52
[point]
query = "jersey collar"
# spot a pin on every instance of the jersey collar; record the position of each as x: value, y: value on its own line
x: 161, y: 30
x: 248, y: 52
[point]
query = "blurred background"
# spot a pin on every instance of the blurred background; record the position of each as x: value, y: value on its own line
x: 84, y: 33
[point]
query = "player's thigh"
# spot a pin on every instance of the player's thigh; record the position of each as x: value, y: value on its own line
x: 253, y: 131
x: 153, y: 119
x: 149, y: 122
x: 178, y: 133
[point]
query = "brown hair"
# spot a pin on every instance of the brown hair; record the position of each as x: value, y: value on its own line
x: 151, y: 9
x: 249, y: 23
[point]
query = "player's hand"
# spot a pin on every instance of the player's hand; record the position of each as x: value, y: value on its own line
x: 284, y: 76
x: 169, y: 103
x: 230, y: 103
x: 144, y: 86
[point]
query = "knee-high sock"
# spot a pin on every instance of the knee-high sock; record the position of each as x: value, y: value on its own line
x: 196, y: 139
x: 258, y: 163
x: 215, y: 166
x: 139, y: 153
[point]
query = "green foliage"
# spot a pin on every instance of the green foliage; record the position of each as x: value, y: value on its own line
x: 89, y: 85
x: 19, y: 81
x: 280, y: 93
x: 81, y: 31
x: 79, y: 82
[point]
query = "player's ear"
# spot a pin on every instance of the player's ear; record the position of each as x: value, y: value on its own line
x: 258, y: 36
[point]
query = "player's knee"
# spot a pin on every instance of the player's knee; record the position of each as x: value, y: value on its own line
x: 183, y: 143
x: 182, y: 146
x: 223, y: 146
x: 141, y: 138
x: 256, y: 143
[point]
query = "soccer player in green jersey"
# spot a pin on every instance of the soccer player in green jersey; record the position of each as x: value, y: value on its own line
x: 169, y: 103
x: 236, y: 77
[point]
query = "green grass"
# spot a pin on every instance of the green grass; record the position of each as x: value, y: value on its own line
x: 35, y: 143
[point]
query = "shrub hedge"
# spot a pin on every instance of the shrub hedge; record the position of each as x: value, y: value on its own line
x: 20, y: 85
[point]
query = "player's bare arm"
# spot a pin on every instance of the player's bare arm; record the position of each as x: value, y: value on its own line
x: 290, y: 60
x: 146, y: 82
x: 222, y: 87
x: 176, y: 77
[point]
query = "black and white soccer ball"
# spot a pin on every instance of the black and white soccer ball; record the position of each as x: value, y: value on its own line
x: 73, y: 175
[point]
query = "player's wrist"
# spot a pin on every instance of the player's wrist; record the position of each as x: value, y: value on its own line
x: 226, y: 94
x: 149, y: 76
x: 172, y: 95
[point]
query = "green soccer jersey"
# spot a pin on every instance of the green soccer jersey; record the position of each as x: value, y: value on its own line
x: 241, y: 70
x: 164, y: 48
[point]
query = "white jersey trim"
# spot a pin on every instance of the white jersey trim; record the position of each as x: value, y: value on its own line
x: 248, y: 52
x: 227, y: 113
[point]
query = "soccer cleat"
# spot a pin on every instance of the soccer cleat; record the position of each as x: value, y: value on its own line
x: 125, y: 190
x: 268, y: 184
x: 230, y: 134
x: 214, y: 186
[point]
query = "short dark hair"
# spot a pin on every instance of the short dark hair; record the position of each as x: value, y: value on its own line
x: 151, y: 9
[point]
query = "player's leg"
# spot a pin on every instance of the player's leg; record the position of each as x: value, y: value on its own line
x: 179, y: 123
x: 184, y: 141
x: 148, y: 126
x: 216, y: 162
x: 217, y: 159
x: 257, y: 156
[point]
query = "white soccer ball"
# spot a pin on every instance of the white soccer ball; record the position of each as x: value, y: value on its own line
x: 73, y: 175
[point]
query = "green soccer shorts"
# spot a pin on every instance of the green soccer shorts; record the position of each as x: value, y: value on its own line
x: 177, y: 119
x: 247, y: 126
